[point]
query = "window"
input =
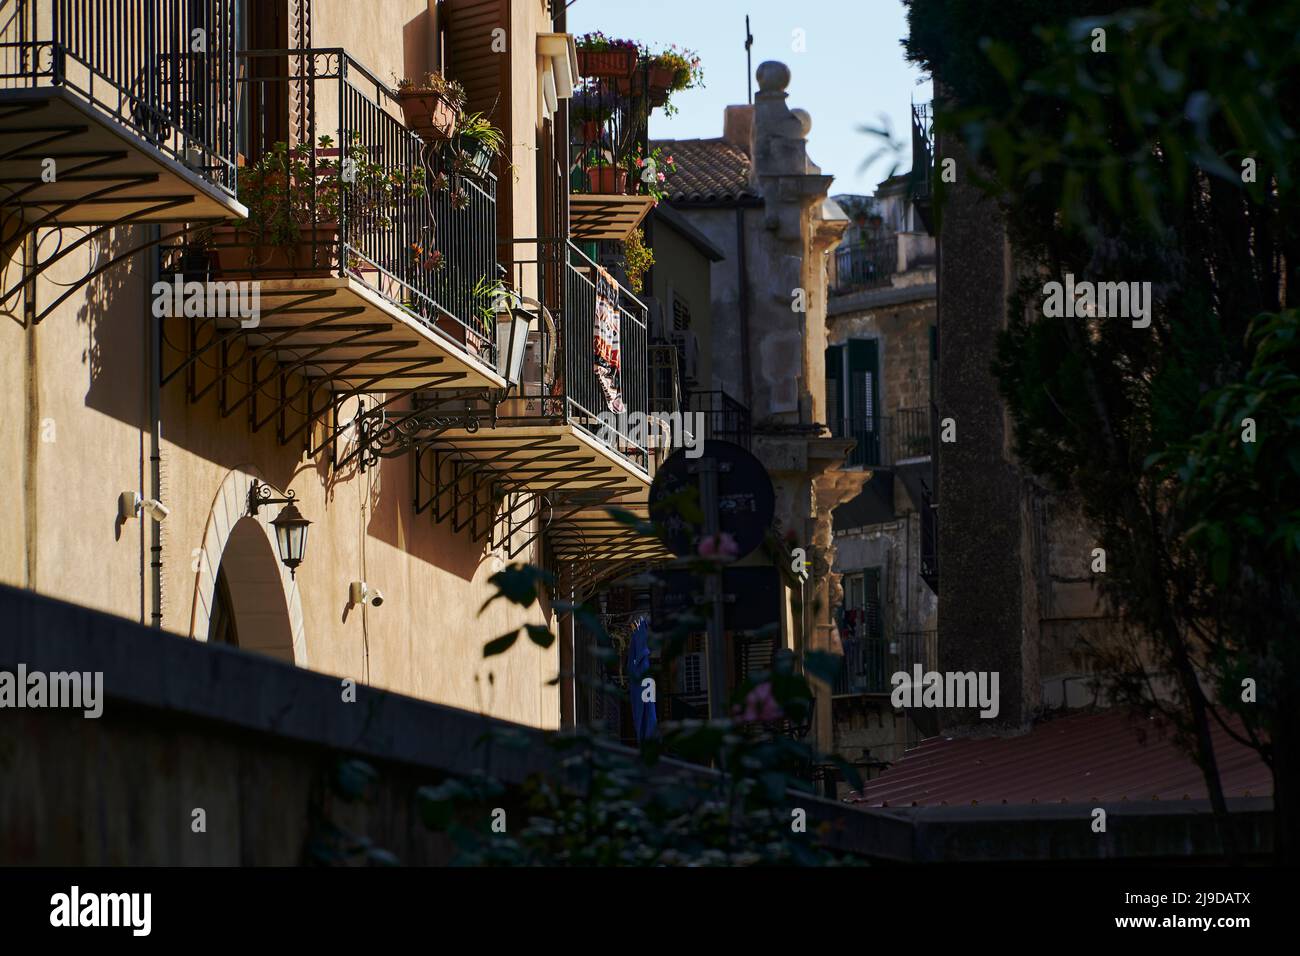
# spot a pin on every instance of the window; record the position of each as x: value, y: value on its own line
x: 853, y: 397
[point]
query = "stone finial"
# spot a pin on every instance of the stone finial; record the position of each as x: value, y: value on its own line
x: 805, y: 120
x: 773, y: 76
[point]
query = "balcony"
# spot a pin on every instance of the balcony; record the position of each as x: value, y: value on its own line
x: 866, y: 264
x: 871, y: 434
x: 608, y: 131
x: 724, y: 418
x: 913, y: 433
x: 374, y: 257
x: 108, y: 115
x: 871, y: 661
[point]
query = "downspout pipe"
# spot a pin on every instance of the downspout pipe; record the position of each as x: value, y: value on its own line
x: 742, y: 289
x: 155, y: 436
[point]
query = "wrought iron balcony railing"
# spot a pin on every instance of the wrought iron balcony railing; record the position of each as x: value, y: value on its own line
x: 589, y: 364
x: 162, y: 69
x: 724, y: 417
x: 872, y: 436
x: 913, y: 433
x: 866, y: 265
x: 871, y: 662
x: 338, y: 186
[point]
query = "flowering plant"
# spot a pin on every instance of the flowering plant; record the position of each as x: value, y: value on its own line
x: 652, y: 171
x: 685, y: 66
x: 597, y: 42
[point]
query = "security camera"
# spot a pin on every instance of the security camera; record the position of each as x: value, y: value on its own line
x: 130, y: 504
x: 359, y: 592
x: 155, y: 509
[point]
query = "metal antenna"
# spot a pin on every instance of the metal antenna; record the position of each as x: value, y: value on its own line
x: 749, y: 59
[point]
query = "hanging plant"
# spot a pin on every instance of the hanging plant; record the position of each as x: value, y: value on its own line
x: 637, y: 259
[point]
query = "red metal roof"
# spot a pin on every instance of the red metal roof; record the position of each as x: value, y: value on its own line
x: 1080, y: 758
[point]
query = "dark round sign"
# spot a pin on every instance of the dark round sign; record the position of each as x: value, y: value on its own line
x: 745, y: 501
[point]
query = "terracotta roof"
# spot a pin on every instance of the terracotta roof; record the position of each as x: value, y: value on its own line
x: 708, y: 170
x: 1078, y: 758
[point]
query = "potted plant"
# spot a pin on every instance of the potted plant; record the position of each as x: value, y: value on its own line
x: 479, y: 142
x: 669, y: 71
x: 603, y: 56
x: 296, y: 198
x: 588, y: 111
x: 637, y: 259
x: 430, y: 105
x: 606, y: 178
x: 477, y: 332
x: 652, y: 171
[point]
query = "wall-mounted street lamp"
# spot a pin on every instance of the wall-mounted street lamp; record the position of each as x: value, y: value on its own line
x: 290, y: 526
x: 513, y: 322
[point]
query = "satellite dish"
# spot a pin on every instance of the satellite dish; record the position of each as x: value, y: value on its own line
x: 745, y: 499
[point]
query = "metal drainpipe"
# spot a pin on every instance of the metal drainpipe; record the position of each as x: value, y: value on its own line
x: 743, y: 291
x: 155, y: 433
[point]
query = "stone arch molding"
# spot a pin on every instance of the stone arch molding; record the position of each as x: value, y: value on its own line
x: 229, y: 506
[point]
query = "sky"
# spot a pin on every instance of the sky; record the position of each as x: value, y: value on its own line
x: 851, y: 69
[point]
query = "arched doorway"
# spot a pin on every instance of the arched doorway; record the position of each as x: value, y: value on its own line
x: 249, y: 610
x: 243, y: 595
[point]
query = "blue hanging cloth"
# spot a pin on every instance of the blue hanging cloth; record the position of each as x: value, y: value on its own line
x: 638, y: 666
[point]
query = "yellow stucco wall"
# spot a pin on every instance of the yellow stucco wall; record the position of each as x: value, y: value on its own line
x: 74, y: 399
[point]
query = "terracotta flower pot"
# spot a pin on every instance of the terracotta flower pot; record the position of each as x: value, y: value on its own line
x: 607, y: 180
x: 429, y: 115
x: 634, y: 85
x: 591, y: 131
x: 661, y: 77
x: 606, y: 63
x: 474, y: 341
x: 237, y: 251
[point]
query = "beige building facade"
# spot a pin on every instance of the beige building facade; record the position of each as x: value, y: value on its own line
x: 100, y: 398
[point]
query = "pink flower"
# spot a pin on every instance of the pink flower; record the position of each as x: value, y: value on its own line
x: 719, y: 547
x: 661, y: 177
x: 761, y: 706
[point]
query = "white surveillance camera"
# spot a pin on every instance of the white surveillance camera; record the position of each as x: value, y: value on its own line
x: 155, y: 509
x: 359, y: 592
x: 130, y: 504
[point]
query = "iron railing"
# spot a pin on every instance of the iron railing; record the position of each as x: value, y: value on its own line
x: 871, y: 434
x: 871, y: 662
x: 724, y: 417
x: 913, y: 430
x: 588, y: 364
x: 367, y: 197
x: 163, y: 69
x: 607, y: 128
x: 866, y: 264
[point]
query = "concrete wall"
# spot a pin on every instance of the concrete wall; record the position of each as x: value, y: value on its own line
x: 74, y: 393
x: 681, y: 269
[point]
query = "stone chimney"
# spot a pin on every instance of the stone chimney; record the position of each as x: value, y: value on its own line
x: 738, y: 127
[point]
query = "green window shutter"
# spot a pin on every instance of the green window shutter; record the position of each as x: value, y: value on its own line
x: 835, y: 389
x: 864, y: 383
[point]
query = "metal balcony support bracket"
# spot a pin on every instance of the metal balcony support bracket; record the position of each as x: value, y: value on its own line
x: 31, y: 271
x: 302, y: 358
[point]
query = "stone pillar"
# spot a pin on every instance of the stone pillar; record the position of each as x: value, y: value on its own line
x: 987, y: 619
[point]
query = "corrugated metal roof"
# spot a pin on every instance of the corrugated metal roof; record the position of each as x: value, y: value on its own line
x: 1080, y: 758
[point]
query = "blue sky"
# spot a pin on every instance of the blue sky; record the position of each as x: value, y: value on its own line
x: 851, y: 71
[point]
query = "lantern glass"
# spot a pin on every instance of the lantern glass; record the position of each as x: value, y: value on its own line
x: 291, y: 536
x: 512, y: 344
